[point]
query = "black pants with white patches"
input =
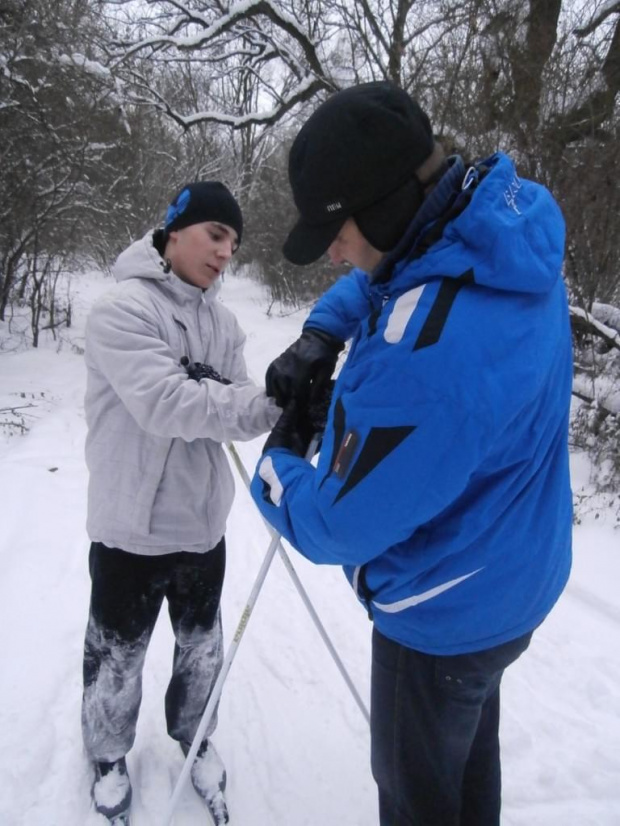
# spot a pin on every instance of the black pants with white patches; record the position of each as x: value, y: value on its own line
x: 127, y: 594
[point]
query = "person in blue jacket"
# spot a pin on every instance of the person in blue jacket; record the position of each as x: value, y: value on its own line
x: 442, y: 484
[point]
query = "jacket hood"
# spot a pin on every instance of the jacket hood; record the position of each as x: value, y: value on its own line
x: 512, y: 230
x: 141, y: 260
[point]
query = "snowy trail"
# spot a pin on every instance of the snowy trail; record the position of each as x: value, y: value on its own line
x: 295, y: 744
x: 593, y: 601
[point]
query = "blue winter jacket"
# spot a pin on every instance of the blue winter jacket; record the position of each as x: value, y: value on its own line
x: 442, y: 484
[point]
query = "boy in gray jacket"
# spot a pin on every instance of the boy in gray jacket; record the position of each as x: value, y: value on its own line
x: 160, y: 486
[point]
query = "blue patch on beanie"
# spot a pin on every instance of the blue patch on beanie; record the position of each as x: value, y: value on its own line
x: 203, y: 201
x: 178, y: 207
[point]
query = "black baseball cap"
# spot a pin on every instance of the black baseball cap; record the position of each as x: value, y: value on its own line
x: 361, y: 146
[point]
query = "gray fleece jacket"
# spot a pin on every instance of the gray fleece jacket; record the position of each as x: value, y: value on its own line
x: 159, y: 478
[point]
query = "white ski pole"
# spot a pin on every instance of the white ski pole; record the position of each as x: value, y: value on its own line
x: 230, y: 656
x: 304, y: 594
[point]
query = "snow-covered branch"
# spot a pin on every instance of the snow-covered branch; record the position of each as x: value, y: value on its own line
x: 601, y: 14
x: 586, y: 322
x: 237, y: 13
x: 93, y: 67
x: 607, y: 314
x: 264, y: 62
x: 303, y: 91
x: 598, y: 390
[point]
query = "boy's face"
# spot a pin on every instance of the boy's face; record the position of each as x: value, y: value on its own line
x: 351, y: 247
x: 199, y: 253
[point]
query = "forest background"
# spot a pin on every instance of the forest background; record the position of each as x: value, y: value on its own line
x: 107, y: 107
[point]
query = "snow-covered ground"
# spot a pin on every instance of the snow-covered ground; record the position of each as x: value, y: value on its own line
x: 295, y: 744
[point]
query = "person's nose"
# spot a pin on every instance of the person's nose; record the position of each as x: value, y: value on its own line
x: 225, y: 249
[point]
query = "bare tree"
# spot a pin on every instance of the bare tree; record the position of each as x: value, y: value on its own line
x: 250, y: 51
x: 57, y: 124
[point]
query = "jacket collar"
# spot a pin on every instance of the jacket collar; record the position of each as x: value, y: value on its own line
x: 184, y: 293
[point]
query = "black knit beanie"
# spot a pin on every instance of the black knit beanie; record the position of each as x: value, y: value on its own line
x: 204, y: 201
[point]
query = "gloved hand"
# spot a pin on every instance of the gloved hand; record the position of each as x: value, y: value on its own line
x: 300, y: 371
x: 318, y: 407
x: 292, y: 431
x: 198, y: 370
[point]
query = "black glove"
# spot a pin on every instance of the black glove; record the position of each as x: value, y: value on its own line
x: 298, y: 423
x: 292, y: 431
x: 303, y: 368
x: 198, y: 371
x: 318, y: 407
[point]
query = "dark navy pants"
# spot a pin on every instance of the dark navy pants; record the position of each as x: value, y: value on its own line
x: 126, y: 597
x: 435, y: 734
